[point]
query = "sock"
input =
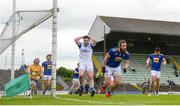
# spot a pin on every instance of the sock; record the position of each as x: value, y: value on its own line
x: 91, y: 86
x: 156, y: 92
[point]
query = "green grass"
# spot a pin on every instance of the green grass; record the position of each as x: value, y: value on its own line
x: 97, y: 100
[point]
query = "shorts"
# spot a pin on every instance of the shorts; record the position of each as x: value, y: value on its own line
x: 86, y: 66
x: 155, y: 73
x: 34, y: 82
x: 46, y: 77
x: 112, y: 71
x: 75, y: 80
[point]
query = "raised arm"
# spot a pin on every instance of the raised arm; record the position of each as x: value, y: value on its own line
x: 93, y: 41
x: 77, y: 40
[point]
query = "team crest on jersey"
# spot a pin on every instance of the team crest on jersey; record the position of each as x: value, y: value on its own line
x: 118, y: 59
x: 85, y: 50
x: 156, y: 60
x: 116, y: 53
x: 49, y: 66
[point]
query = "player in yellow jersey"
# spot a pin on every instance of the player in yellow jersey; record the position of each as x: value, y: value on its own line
x: 36, y: 72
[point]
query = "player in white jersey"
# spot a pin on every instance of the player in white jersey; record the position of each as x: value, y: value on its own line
x: 85, y: 62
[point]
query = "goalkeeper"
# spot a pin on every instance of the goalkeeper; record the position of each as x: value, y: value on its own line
x: 112, y: 67
x: 35, y: 71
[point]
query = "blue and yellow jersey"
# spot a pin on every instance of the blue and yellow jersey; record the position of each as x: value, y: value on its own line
x: 47, y: 67
x: 156, y: 61
x: 116, y: 57
x: 76, y: 73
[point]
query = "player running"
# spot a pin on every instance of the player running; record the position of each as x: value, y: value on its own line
x: 156, y: 60
x: 35, y: 71
x: 112, y: 67
x: 85, y: 62
x: 76, y: 84
x: 46, y: 79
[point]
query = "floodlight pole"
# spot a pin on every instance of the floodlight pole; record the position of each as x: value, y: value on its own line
x: 13, y: 45
x: 54, y: 48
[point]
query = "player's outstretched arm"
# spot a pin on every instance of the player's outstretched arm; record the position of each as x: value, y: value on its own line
x: 147, y: 63
x: 77, y: 40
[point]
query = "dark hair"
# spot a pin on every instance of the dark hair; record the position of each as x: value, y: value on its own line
x: 120, y: 42
x: 86, y: 37
x: 48, y: 55
x: 157, y: 49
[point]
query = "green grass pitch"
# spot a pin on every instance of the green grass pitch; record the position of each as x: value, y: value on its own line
x: 96, y: 100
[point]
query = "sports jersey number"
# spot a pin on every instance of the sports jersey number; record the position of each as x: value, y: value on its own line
x: 118, y: 59
x: 156, y: 60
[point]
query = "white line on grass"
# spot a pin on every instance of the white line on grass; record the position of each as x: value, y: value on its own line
x: 87, y: 101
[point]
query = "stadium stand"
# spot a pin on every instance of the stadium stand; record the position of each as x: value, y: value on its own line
x: 176, y: 62
x: 142, y: 36
x: 137, y: 61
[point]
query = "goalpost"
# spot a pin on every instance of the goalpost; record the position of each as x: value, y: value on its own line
x: 54, y: 48
x: 13, y: 45
x: 34, y: 32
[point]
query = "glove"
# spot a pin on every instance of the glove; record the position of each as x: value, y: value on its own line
x: 103, y: 69
x: 124, y: 70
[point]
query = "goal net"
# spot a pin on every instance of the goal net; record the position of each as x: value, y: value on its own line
x: 32, y: 36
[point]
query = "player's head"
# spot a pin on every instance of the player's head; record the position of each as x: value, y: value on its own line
x: 48, y: 57
x: 157, y: 50
x: 86, y: 40
x: 122, y: 45
x: 36, y: 61
x: 78, y: 65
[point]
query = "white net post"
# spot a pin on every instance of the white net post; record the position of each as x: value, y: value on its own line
x: 54, y: 48
x: 13, y: 45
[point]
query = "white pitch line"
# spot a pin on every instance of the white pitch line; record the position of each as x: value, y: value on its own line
x: 87, y: 101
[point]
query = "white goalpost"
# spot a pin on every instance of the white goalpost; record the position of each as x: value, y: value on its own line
x: 34, y: 32
x: 13, y: 45
x: 54, y: 48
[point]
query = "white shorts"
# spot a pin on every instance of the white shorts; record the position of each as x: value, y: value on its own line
x: 155, y: 73
x: 46, y: 77
x: 75, y: 80
x: 86, y: 66
x: 112, y: 71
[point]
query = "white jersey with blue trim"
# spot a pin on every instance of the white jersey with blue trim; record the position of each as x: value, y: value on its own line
x: 85, y: 53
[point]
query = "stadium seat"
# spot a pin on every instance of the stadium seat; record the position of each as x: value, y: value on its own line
x: 137, y: 61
